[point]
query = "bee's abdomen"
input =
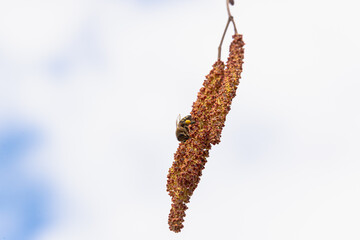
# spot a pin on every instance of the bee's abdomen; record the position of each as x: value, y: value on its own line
x: 182, y: 136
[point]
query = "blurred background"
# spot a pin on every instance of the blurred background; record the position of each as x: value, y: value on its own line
x: 90, y: 91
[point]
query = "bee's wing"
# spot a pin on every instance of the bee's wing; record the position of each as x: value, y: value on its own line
x: 178, y: 120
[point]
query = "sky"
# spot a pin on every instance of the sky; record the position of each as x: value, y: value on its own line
x: 90, y: 92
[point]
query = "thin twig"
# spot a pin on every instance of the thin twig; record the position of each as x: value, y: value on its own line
x: 222, y: 39
x: 229, y: 13
x: 230, y: 19
x: 228, y: 8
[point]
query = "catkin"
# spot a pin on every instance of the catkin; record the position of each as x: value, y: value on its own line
x: 209, y: 113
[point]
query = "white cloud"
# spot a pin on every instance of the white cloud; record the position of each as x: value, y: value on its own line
x: 30, y: 30
x: 288, y: 154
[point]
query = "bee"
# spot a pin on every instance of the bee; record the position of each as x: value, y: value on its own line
x: 182, y: 127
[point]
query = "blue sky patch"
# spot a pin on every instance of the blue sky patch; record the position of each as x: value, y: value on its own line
x: 23, y: 201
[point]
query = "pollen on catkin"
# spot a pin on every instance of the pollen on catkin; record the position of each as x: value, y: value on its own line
x: 209, y: 114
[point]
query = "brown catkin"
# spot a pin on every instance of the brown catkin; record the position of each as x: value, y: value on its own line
x: 209, y: 113
x: 228, y: 88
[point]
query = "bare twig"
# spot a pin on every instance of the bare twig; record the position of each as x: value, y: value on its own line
x: 230, y: 19
x: 229, y: 13
x: 222, y: 39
